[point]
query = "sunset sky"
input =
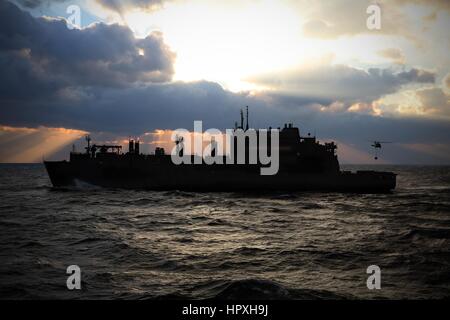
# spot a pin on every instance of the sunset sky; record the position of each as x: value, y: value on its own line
x: 144, y: 67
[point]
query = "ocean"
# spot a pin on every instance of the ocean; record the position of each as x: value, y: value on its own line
x: 170, y: 245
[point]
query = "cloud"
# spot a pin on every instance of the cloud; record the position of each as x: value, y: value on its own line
x: 434, y: 101
x: 393, y: 54
x: 114, y: 5
x: 439, y: 4
x: 132, y: 110
x: 135, y: 110
x: 41, y: 55
x: 333, y: 19
x: 447, y: 81
x: 37, y: 3
x: 362, y: 107
x: 121, y: 5
x: 94, y: 79
x: 342, y: 83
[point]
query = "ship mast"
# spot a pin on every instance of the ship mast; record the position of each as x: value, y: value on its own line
x: 242, y: 119
x: 88, y: 139
x: 246, y: 126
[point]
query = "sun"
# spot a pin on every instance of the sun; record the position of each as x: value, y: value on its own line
x: 223, y: 43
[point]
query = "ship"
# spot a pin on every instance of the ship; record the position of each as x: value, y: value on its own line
x: 305, y: 164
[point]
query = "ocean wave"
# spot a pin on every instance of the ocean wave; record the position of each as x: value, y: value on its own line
x: 249, y: 289
x: 419, y: 233
x: 87, y: 240
x: 249, y: 251
x: 256, y: 289
x: 32, y: 244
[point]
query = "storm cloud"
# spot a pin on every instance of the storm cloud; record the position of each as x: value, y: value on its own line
x: 37, y: 3
x: 115, y: 5
x: 43, y: 56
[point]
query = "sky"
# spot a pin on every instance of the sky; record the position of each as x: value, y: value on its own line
x: 142, y: 68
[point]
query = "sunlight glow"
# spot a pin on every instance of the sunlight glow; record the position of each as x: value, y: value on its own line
x: 237, y: 42
x: 33, y: 144
x: 140, y: 22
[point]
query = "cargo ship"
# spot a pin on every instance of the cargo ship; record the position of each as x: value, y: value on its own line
x: 305, y: 164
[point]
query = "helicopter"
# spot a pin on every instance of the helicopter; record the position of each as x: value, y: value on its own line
x: 377, y: 145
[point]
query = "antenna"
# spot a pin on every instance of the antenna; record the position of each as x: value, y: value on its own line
x: 242, y: 119
x: 88, y: 139
x: 246, y: 126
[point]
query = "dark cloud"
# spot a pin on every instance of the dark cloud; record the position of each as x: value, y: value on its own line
x: 115, y: 5
x: 417, y: 76
x: 176, y: 105
x: 37, y: 3
x: 45, y: 52
x: 130, y: 110
x: 342, y: 83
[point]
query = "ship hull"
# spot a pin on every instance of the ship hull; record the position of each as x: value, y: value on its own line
x: 142, y: 174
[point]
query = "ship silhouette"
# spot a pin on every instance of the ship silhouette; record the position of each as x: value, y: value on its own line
x: 304, y: 165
